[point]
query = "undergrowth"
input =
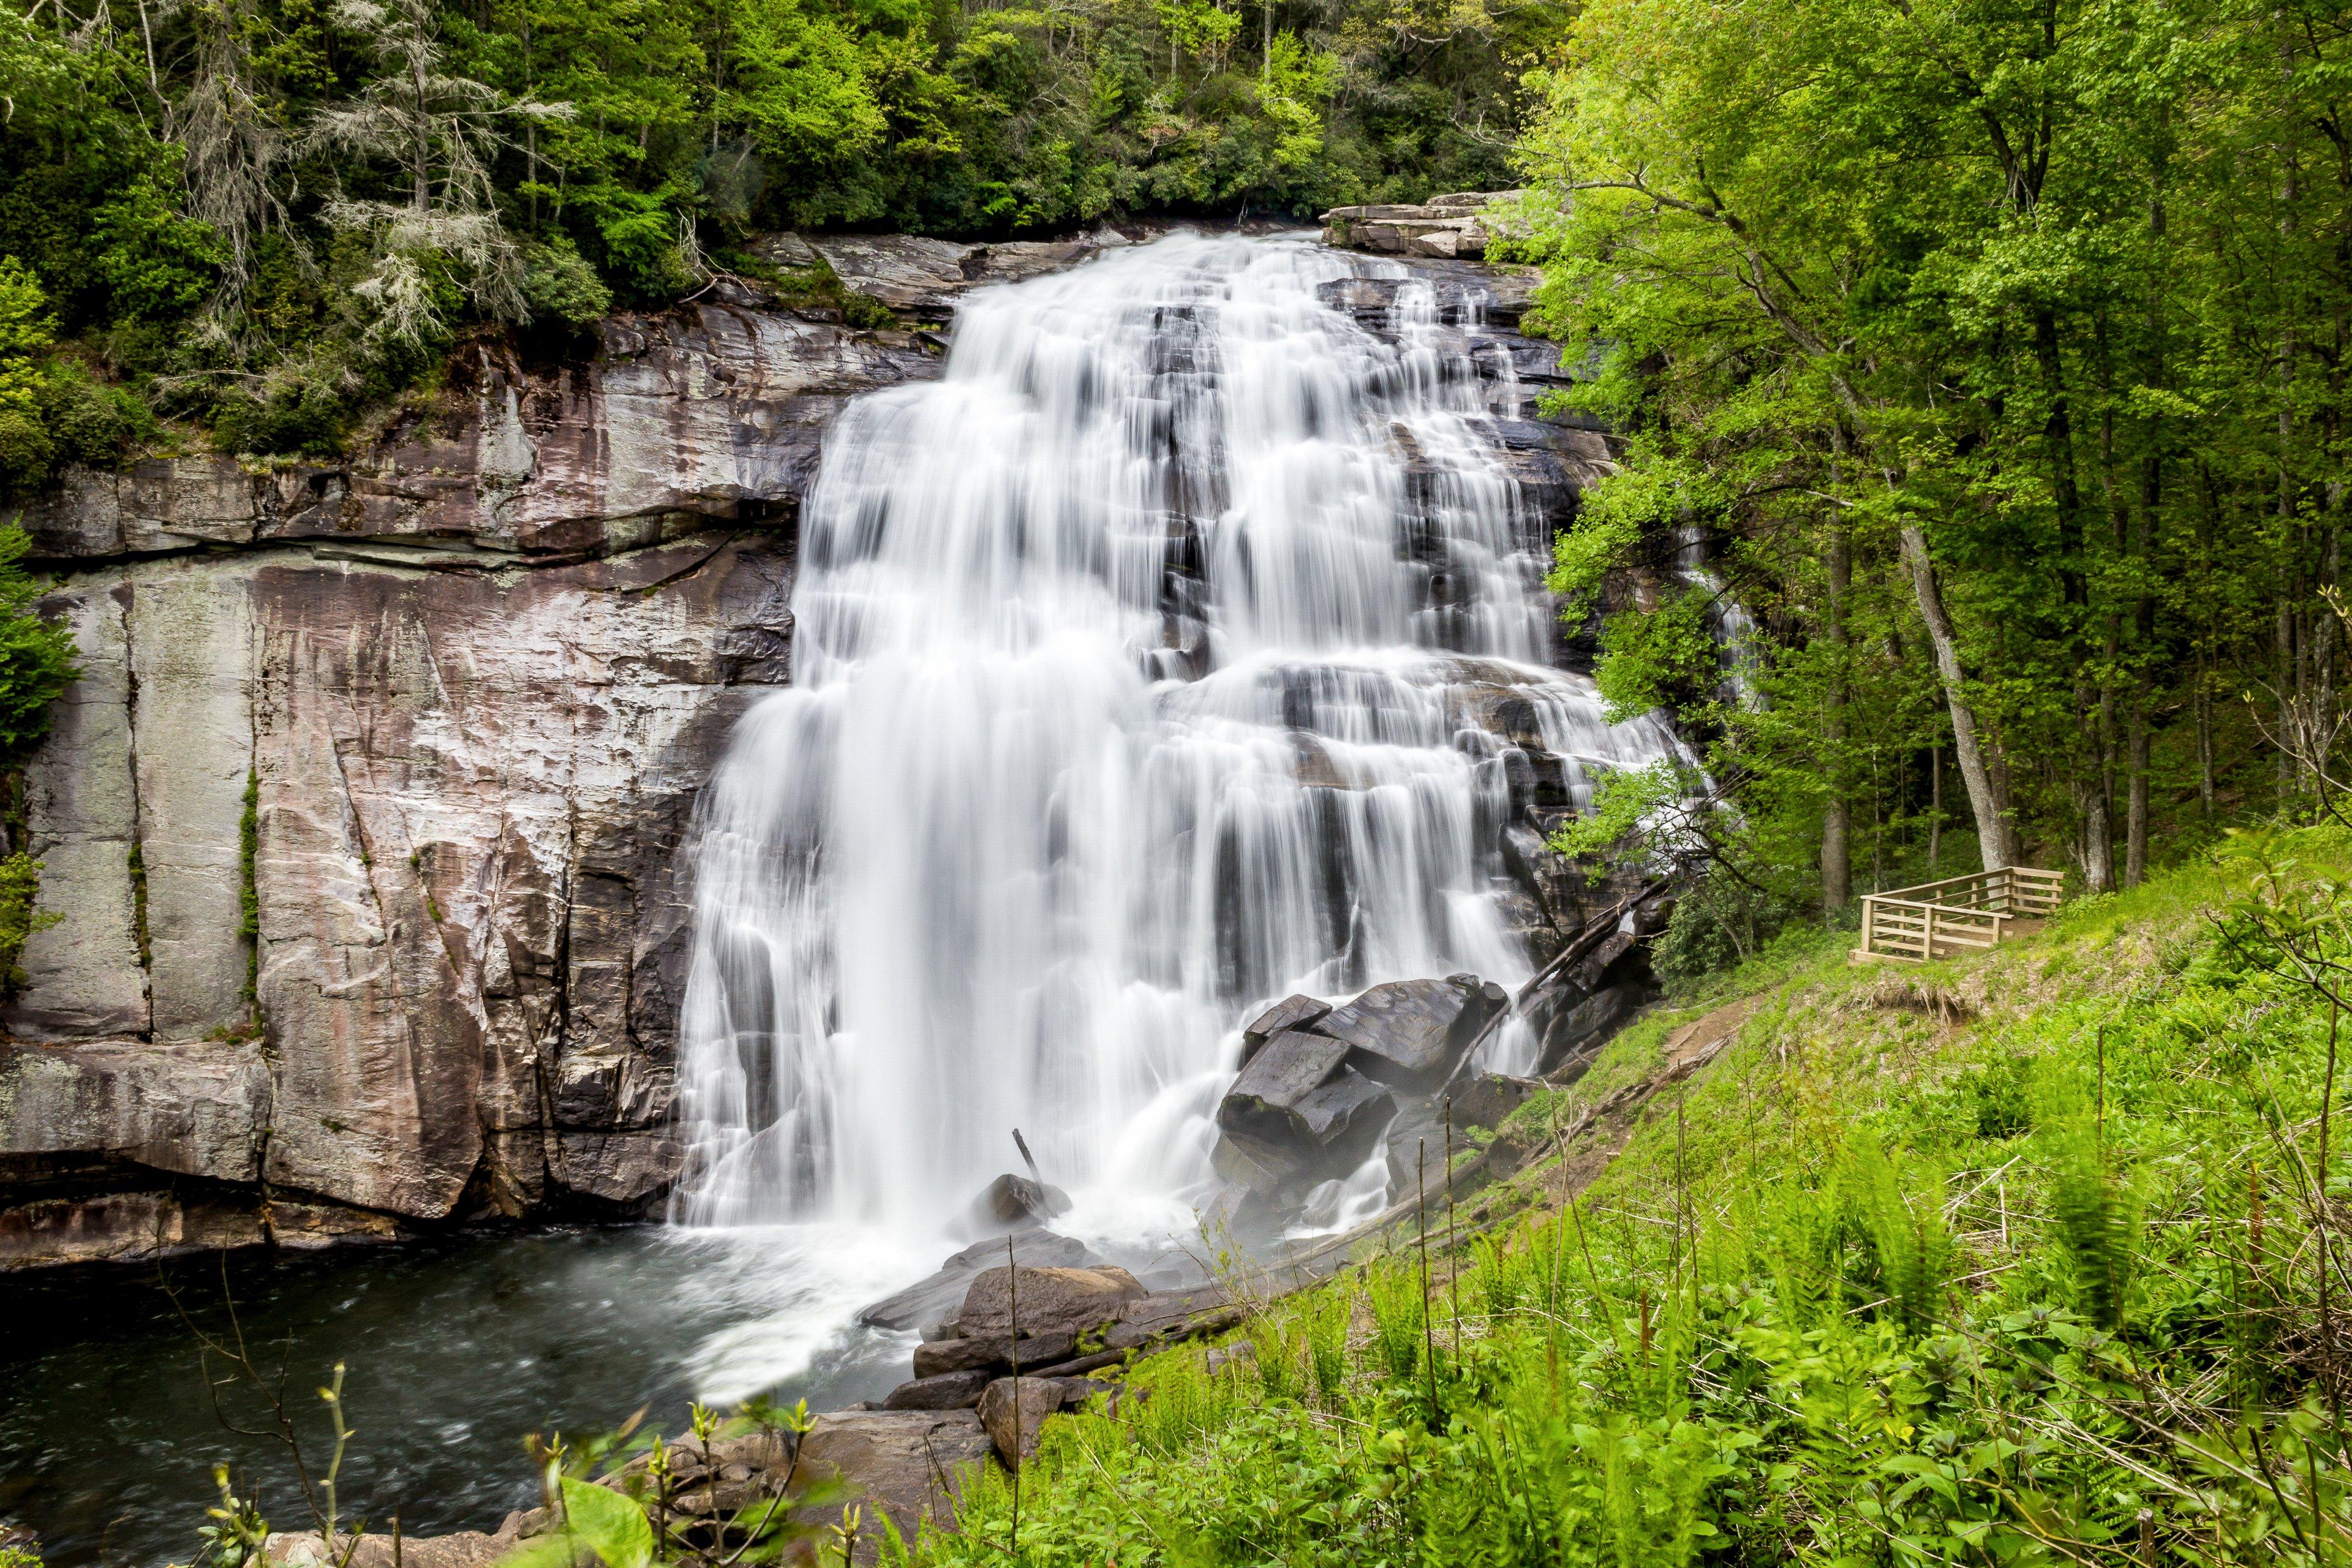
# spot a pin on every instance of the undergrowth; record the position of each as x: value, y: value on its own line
x: 2023, y: 1259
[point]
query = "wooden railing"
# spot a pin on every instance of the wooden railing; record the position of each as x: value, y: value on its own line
x: 1959, y: 914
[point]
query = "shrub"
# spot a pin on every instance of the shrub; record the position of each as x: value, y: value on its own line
x: 20, y: 890
x: 561, y: 289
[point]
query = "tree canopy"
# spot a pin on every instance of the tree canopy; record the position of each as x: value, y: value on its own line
x: 266, y: 214
x: 1996, y: 351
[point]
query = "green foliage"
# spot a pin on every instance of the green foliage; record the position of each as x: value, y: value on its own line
x: 560, y: 288
x: 1933, y: 332
x: 237, y: 1534
x: 20, y: 890
x: 1663, y: 657
x: 89, y: 422
x: 272, y: 216
x: 37, y: 660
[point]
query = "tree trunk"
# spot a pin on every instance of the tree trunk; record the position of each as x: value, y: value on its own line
x: 1837, y: 865
x: 2143, y: 547
x: 1982, y: 769
x: 1934, y: 810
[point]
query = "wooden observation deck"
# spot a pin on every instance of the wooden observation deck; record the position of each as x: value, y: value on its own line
x: 1957, y: 915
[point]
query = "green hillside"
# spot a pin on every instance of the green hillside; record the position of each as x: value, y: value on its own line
x: 2018, y: 1259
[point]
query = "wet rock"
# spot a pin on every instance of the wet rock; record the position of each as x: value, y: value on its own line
x: 1575, y: 1036
x: 944, y: 1329
x: 1014, y: 1409
x: 1298, y: 1113
x: 123, y: 1228
x: 309, y: 1227
x: 941, y: 1297
x: 907, y: 1464
x: 1048, y: 1300
x: 1263, y: 1100
x: 1260, y: 1170
x: 1490, y: 1097
x: 1409, y: 1034
x: 1011, y: 1202
x: 1344, y: 1114
x: 948, y: 1391
x: 1290, y: 1013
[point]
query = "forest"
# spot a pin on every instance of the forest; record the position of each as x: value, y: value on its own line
x: 253, y: 221
x: 1999, y: 350
x: 1995, y: 354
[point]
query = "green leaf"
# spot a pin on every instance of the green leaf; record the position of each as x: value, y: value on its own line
x: 608, y: 1524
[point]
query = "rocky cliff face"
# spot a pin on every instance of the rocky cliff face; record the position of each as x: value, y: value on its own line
x: 362, y: 818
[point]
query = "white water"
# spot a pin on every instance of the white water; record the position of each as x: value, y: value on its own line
x: 1043, y: 815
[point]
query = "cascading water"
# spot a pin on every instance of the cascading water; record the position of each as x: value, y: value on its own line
x: 1141, y: 663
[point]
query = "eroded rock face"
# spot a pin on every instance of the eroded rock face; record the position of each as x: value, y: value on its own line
x: 462, y: 694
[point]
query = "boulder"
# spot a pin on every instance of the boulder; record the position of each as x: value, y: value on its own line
x: 938, y: 1299
x: 1344, y: 1114
x: 1049, y: 1300
x: 1572, y: 1038
x: 1490, y: 1097
x: 991, y: 1353
x: 1298, y: 1113
x: 948, y: 1391
x: 1015, y: 1410
x: 1011, y: 1202
x: 1409, y: 1034
x: 464, y: 1549
x: 1258, y: 1168
x: 1290, y: 1013
x: 907, y: 1464
x: 1264, y: 1099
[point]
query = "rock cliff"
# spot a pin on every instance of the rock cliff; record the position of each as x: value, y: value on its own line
x: 361, y: 817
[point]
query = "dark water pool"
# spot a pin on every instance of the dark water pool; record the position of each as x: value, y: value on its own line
x: 455, y: 1350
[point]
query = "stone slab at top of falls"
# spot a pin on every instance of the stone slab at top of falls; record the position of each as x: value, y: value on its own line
x: 475, y: 679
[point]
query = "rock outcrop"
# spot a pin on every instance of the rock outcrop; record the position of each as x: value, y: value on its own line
x: 1455, y: 225
x: 1318, y: 1092
x: 362, y: 816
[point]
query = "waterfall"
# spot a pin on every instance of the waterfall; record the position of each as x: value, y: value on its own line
x: 1145, y: 670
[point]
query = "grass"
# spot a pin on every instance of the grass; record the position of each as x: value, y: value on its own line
x: 2015, y: 1259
